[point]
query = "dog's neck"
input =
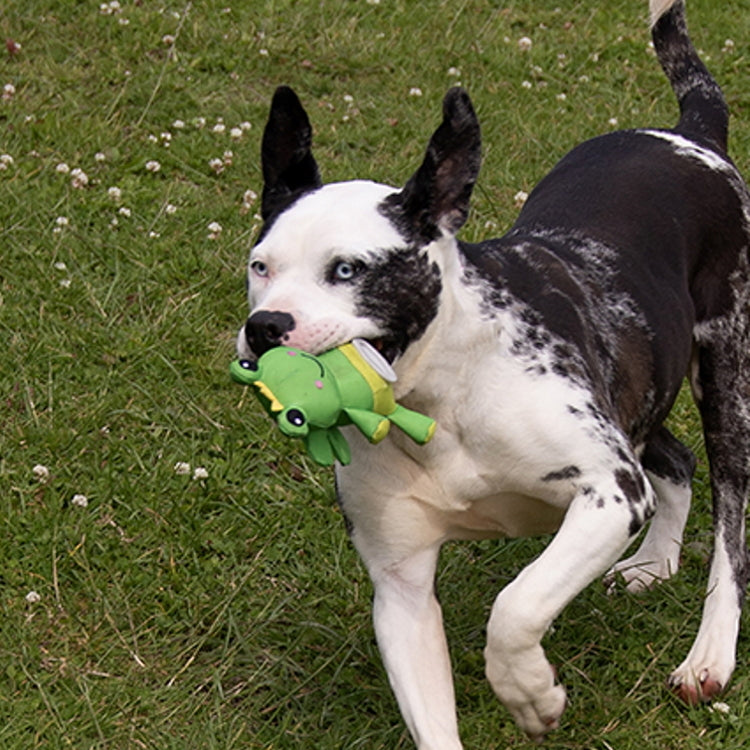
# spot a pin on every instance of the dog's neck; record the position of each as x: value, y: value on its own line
x: 442, y: 349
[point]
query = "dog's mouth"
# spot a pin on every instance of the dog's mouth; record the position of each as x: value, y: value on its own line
x: 386, y: 349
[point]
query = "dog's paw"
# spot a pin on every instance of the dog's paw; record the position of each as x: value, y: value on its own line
x: 528, y: 688
x: 640, y: 574
x: 695, y: 689
x: 541, y: 715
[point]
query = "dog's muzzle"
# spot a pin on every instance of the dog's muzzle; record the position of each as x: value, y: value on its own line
x: 266, y: 329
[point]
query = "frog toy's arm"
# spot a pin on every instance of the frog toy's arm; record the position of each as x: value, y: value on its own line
x: 379, y: 376
x: 310, y: 397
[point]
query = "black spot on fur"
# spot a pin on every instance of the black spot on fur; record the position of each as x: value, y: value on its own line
x: 629, y: 484
x: 401, y: 292
x: 567, y: 472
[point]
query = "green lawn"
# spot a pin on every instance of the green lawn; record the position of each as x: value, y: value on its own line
x: 147, y: 605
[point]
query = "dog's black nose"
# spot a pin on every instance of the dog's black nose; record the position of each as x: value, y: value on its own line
x: 266, y: 329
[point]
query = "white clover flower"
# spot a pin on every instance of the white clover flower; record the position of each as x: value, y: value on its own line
x: 124, y: 211
x: 170, y: 209
x: 561, y: 97
x: 62, y: 168
x: 728, y: 45
x: 62, y: 221
x: 168, y: 40
x: 65, y: 283
x: 214, y: 230
x: 100, y: 156
x: 524, y: 44
x: 178, y: 124
x: 32, y: 597
x: 200, y: 473
x: 217, y: 165
x: 721, y: 707
x: 182, y: 468
x: 612, y: 122
x: 61, y: 266
x: 79, y: 179
x: 114, y: 193
x: 153, y: 235
x: 9, y: 91
x: 219, y: 128
x: 199, y: 122
x: 236, y: 133
x: 228, y: 157
x: 263, y: 52
x: 245, y: 125
x: 110, y: 9
x: 415, y: 91
x: 80, y: 501
x: 153, y: 166
x: 6, y: 160
x: 526, y: 84
x: 166, y: 138
x: 520, y: 198
x: 40, y: 472
x: 453, y: 71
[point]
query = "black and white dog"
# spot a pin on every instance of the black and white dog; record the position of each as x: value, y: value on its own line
x: 549, y: 357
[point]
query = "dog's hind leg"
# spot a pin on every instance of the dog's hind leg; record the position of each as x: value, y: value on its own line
x: 669, y: 466
x: 723, y: 394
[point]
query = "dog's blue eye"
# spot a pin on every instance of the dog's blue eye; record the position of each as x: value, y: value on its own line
x: 259, y: 267
x: 344, y: 271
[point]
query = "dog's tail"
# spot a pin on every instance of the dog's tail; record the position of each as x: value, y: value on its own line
x: 703, y: 109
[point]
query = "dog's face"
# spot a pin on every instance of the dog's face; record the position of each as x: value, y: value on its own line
x: 353, y: 259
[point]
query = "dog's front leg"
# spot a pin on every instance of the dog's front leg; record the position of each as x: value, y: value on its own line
x: 597, y: 528
x: 409, y: 630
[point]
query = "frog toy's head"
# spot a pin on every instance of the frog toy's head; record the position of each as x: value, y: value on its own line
x: 294, y: 387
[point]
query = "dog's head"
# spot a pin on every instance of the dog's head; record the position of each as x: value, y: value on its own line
x: 354, y: 259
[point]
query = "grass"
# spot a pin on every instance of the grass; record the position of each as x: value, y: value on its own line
x: 230, y: 611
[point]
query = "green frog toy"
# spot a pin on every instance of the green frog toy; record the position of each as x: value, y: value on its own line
x: 311, y: 397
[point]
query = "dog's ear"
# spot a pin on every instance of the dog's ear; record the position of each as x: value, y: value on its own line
x: 288, y: 164
x: 436, y: 198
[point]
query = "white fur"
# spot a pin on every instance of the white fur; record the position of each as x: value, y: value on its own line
x: 712, y: 656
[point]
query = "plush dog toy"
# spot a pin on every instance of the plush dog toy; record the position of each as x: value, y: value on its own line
x: 311, y: 397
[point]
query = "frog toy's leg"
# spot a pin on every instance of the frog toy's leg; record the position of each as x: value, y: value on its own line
x: 418, y: 427
x: 373, y: 426
x: 328, y: 445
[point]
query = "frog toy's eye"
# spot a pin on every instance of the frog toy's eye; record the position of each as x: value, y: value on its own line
x: 295, y: 417
x: 293, y: 422
x: 249, y: 365
x: 259, y: 268
x: 344, y: 271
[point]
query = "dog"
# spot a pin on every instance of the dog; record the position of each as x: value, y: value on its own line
x: 550, y: 358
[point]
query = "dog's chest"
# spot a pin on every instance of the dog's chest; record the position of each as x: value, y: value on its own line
x: 509, y: 445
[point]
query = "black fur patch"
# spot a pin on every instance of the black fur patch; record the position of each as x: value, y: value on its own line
x: 567, y: 472
x: 401, y: 292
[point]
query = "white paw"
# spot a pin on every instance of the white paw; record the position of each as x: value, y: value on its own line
x: 526, y: 685
x: 641, y: 572
x: 705, y: 672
